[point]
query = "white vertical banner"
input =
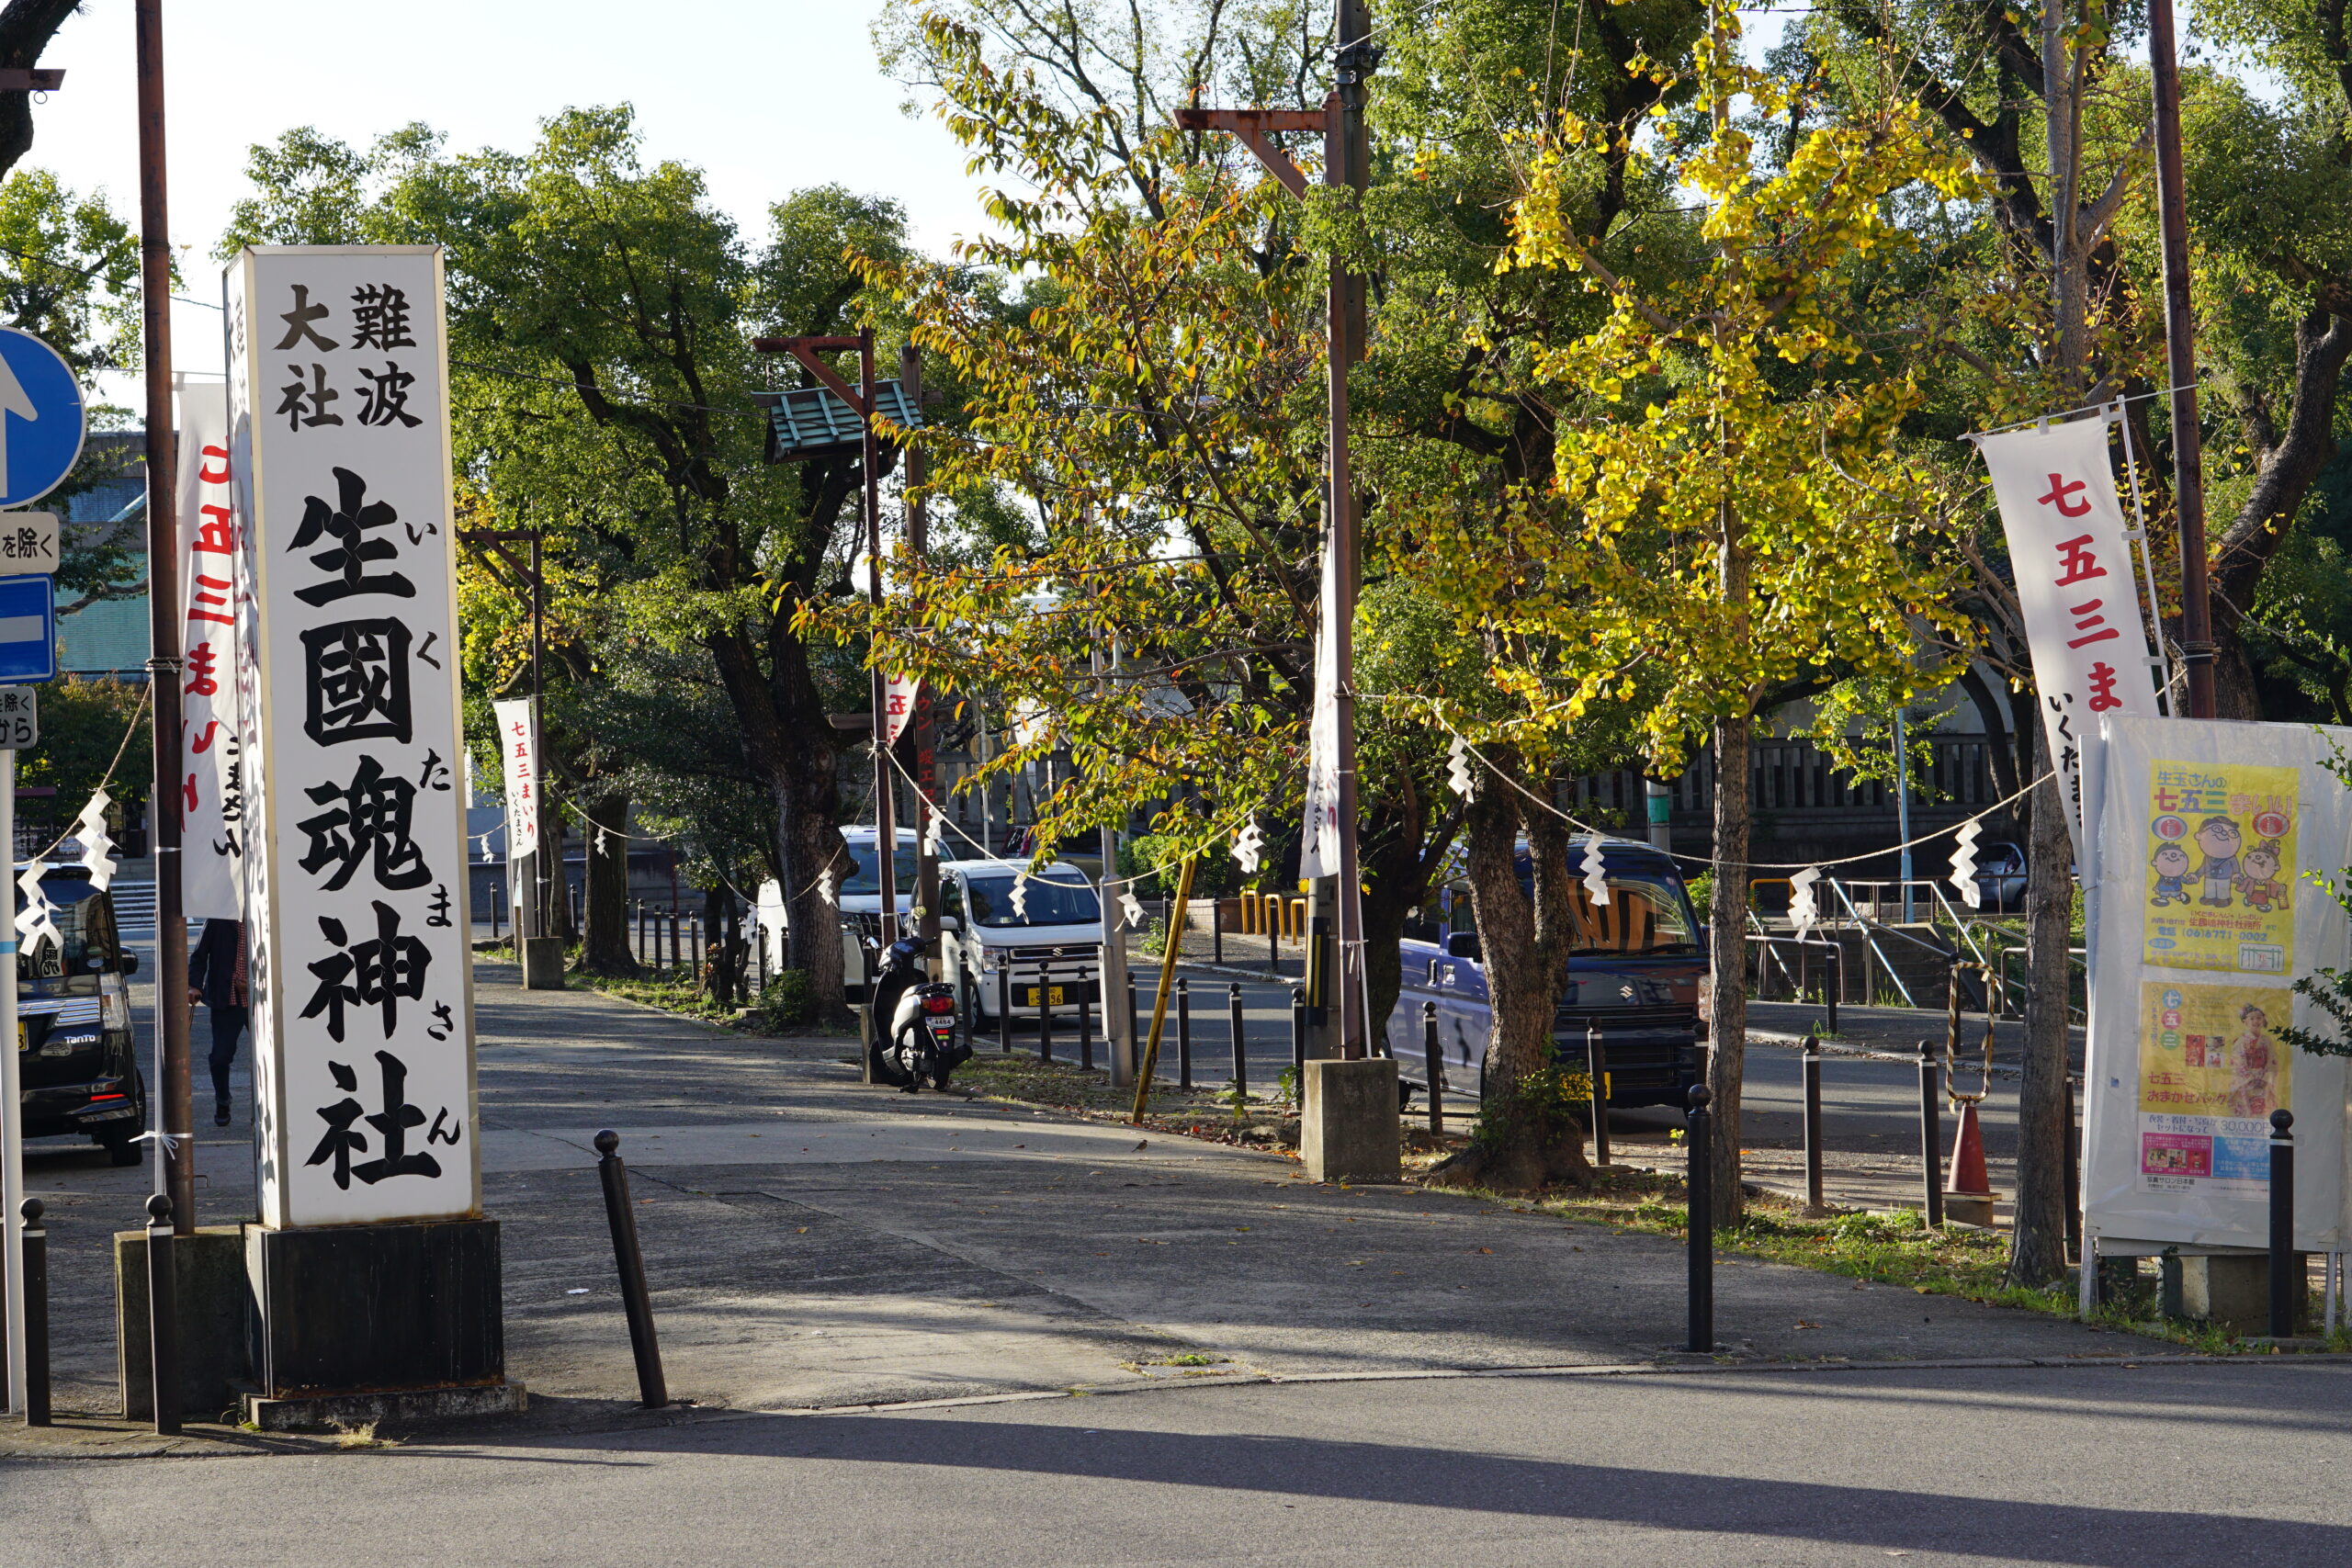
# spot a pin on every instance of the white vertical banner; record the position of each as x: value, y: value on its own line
x: 897, y: 706
x: 2208, y: 832
x: 519, y: 750
x: 1318, y: 851
x: 362, y: 987
x: 211, y: 831
x: 2078, y: 589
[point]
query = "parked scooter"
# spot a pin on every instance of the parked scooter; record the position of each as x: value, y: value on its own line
x: 919, y: 1046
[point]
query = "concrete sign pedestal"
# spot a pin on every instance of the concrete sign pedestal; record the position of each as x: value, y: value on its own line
x: 1351, y: 1128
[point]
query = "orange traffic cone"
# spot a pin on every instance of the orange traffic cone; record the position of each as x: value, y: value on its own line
x: 1968, y: 1192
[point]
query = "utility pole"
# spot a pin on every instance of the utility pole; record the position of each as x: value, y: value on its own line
x: 807, y: 351
x: 2180, y: 362
x: 1344, y: 164
x: 164, y: 625
x: 493, y: 543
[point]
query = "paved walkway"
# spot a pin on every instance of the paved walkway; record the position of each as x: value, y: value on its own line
x: 814, y: 1242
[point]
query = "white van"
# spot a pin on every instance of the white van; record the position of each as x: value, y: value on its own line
x: 860, y: 896
x: 1054, y: 940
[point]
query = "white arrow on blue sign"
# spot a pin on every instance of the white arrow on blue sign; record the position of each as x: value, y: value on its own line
x: 42, y: 418
x: 28, y: 630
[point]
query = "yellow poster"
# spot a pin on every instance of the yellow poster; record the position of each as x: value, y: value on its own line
x: 2221, y: 868
x: 2212, y: 1071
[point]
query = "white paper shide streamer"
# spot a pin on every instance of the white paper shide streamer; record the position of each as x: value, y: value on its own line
x: 36, y: 923
x: 1130, y: 906
x: 1249, y: 847
x: 1963, y: 864
x: 1596, y: 876
x: 1804, y: 905
x: 1460, y: 777
x: 97, y: 844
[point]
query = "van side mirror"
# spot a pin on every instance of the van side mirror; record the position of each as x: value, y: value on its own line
x: 1462, y: 944
x: 131, y: 964
x: 950, y: 923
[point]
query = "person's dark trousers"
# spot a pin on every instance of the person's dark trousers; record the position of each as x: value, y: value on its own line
x: 228, y: 1028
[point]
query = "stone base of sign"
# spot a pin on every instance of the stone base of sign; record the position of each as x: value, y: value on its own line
x: 383, y: 1309
x: 329, y: 1411
x: 1352, y: 1128
x: 2231, y: 1292
x: 215, y: 1313
x: 1971, y: 1209
x: 542, y: 962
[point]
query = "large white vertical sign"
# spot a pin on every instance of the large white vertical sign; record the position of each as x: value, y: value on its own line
x: 2204, y: 923
x: 2078, y: 590
x: 519, y: 748
x: 1318, y: 852
x: 363, y: 1008
x: 211, y: 829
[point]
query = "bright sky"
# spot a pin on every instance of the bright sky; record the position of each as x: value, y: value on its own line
x: 767, y: 98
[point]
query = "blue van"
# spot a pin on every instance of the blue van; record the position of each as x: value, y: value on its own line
x: 1634, y: 974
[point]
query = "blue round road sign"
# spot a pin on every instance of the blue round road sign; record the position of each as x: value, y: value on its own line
x: 41, y: 418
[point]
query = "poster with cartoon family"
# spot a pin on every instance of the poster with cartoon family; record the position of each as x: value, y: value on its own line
x: 2221, y: 868
x: 2212, y: 1071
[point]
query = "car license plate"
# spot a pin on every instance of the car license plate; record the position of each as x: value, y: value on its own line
x: 1056, y: 996
x: 24, y: 1038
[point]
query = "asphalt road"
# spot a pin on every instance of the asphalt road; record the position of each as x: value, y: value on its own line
x: 2107, y: 1467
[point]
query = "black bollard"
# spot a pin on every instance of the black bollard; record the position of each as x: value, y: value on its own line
x: 1833, y: 982
x: 1809, y: 1064
x: 2286, y: 1281
x: 1086, y: 1024
x: 1596, y: 1067
x: 1433, y: 1056
x: 1004, y: 1009
x: 1931, y: 1134
x: 1698, y: 1134
x: 1044, y: 1014
x: 1241, y: 1044
x: 1136, y: 1042
x: 1216, y: 931
x: 1184, y: 1033
x: 631, y: 1262
x: 964, y: 1004
x: 35, y: 1263
x: 2074, y: 1180
x: 163, y: 1316
x: 674, y: 936
x: 1298, y: 1041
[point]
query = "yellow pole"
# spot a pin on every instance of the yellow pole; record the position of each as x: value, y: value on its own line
x: 1168, y: 948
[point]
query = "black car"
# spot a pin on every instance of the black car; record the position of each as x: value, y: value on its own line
x: 76, y: 1059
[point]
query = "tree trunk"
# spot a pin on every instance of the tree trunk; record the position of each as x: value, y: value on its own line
x: 1519, y: 1145
x: 1727, y: 945
x: 605, y: 950
x: 2037, y: 1234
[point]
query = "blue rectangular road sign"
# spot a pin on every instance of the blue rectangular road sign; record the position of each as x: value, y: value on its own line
x: 28, y: 630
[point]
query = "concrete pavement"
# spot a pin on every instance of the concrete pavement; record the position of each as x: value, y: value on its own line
x: 2107, y: 1467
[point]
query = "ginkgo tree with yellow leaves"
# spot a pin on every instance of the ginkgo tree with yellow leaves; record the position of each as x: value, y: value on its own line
x: 1732, y: 520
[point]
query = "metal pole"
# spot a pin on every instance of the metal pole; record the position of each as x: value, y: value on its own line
x: 12, y: 1125
x: 547, y: 861
x: 1045, y: 1013
x: 1004, y: 1009
x: 1932, y: 1135
x: 1216, y: 931
x: 1433, y: 1056
x: 1596, y: 1067
x: 2286, y: 1278
x: 1183, y: 1032
x: 164, y: 1313
x: 162, y: 619
x: 1299, y: 1042
x: 1699, y: 1138
x: 885, y: 811
x: 1811, y: 1066
x: 33, y: 1254
x: 1239, y: 1032
x: 1903, y: 811
x: 634, y: 1299
x: 2180, y: 360
x: 925, y: 742
x: 1085, y: 1025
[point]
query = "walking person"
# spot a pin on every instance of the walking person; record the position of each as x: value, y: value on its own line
x: 216, y: 977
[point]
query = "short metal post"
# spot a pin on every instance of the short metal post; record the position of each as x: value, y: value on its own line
x: 1136, y: 1042
x: 1045, y: 1013
x: 1596, y: 1067
x: 964, y: 1005
x: 1241, y: 1044
x: 163, y: 1316
x: 1183, y: 1032
x: 496, y: 909
x: 1216, y: 930
x: 630, y: 1258
x: 35, y: 1259
x: 1085, y: 1025
x: 1269, y: 915
x: 640, y: 930
x: 1810, y: 1065
x: 2073, y: 1179
x: 1833, y: 982
x: 1433, y: 1056
x: 1699, y: 1135
x: 1299, y: 1042
x: 2287, y: 1283
x: 1004, y: 1009
x: 1931, y: 1132
x: 673, y: 935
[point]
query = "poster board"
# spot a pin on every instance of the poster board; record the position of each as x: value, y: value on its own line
x: 2203, y: 917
